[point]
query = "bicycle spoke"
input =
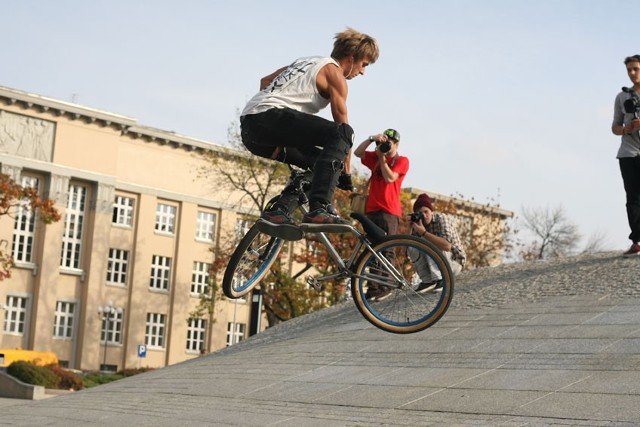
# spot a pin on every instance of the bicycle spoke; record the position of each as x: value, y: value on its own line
x: 250, y: 262
x: 387, y: 288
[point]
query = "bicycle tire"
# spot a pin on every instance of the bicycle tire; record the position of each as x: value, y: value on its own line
x: 250, y: 262
x: 403, y: 309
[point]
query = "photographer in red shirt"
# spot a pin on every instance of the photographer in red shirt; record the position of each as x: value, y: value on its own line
x: 388, y: 170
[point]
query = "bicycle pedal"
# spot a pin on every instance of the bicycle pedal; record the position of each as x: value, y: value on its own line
x: 313, y: 282
x: 282, y: 231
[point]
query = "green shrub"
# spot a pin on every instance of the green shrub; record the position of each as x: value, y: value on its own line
x: 92, y: 379
x: 32, y: 374
x: 134, y: 371
x: 67, y: 380
x: 96, y: 378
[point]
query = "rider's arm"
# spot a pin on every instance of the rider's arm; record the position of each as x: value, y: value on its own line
x: 331, y: 81
x: 266, y: 80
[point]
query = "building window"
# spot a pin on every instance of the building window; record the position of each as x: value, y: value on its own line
x: 200, y: 278
x: 242, y: 226
x: 195, y: 334
x: 123, y: 211
x: 160, y: 272
x: 205, y: 223
x: 24, y: 228
x: 165, y: 218
x: 73, y: 220
x: 15, y: 314
x: 112, y: 332
x: 63, y: 321
x: 154, y: 333
x: 117, y: 264
x: 235, y: 334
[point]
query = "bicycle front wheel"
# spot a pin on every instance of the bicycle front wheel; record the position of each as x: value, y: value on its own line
x: 405, y: 285
x: 250, y: 262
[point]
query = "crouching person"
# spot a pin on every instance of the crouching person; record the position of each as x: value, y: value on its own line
x: 439, y: 229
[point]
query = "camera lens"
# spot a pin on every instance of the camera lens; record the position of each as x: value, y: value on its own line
x: 416, y: 216
x: 384, y: 147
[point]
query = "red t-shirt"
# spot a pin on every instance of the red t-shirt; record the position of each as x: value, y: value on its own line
x: 383, y: 196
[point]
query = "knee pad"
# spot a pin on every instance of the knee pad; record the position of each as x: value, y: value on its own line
x: 346, y: 133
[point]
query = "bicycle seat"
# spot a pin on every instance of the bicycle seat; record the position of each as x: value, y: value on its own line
x: 373, y: 232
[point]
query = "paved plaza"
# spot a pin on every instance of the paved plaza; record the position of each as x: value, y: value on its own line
x: 548, y: 343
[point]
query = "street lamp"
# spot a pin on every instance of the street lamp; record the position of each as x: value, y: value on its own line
x: 107, y: 314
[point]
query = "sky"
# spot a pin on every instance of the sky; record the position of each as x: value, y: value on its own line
x: 500, y: 101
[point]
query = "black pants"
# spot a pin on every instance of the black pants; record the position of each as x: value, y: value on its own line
x: 310, y: 142
x: 630, y: 169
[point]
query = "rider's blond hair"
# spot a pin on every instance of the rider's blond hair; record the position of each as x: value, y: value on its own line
x: 353, y: 43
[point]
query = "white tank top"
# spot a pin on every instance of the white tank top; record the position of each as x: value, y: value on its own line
x: 294, y: 88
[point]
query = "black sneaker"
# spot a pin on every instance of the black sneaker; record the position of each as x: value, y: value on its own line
x: 277, y: 223
x: 321, y: 216
x: 277, y: 215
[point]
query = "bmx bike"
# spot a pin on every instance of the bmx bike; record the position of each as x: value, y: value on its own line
x: 396, y: 264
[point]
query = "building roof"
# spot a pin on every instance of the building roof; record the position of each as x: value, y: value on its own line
x: 125, y: 124
x: 460, y: 202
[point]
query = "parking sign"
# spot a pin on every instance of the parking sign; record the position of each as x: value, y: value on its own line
x: 142, y: 350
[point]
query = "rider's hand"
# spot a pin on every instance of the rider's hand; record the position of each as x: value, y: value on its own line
x: 344, y: 182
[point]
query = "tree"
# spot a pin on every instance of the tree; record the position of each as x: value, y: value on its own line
x: 13, y: 199
x: 597, y: 242
x: 285, y: 296
x: 482, y: 229
x: 237, y: 171
x: 554, y: 234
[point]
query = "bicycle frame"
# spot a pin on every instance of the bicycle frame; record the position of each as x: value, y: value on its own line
x: 345, y: 267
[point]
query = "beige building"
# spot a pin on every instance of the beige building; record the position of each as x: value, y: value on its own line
x: 115, y: 280
x: 113, y: 284
x: 482, y: 227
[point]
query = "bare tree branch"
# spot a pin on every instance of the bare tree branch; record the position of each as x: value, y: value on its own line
x: 555, y: 235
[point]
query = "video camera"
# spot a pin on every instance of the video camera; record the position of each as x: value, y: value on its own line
x: 632, y: 105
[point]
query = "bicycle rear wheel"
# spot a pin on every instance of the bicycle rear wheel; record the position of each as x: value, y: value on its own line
x: 404, y: 286
x: 250, y: 262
